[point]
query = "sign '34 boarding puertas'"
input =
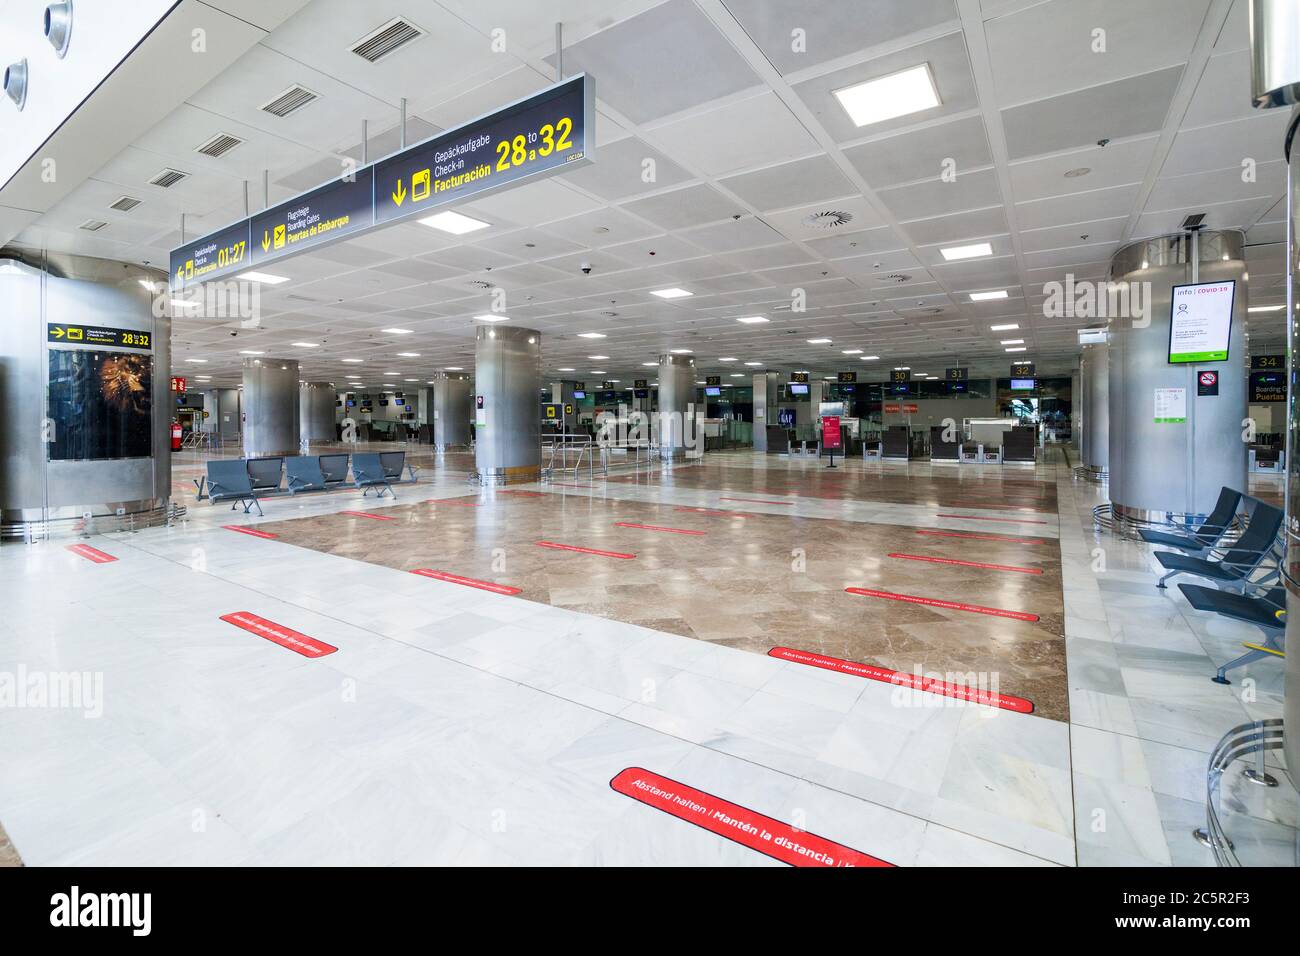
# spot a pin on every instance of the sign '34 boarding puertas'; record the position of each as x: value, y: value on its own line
x: 533, y: 137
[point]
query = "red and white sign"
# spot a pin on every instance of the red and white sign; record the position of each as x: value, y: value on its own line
x: 919, y: 682
x: 831, y: 438
x: 767, y: 835
x: 278, y: 634
x: 892, y: 408
x: 1209, y: 379
x: 948, y: 605
x: 574, y: 547
x: 178, y: 384
x: 366, y: 514
x: 911, y: 409
x: 251, y: 531
x: 447, y: 576
x: 653, y: 527
x: 964, y: 564
x: 91, y: 554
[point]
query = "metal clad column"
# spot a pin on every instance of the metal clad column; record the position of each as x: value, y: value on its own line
x: 270, y: 407
x: 452, y: 410
x: 767, y: 389
x: 316, y: 408
x: 676, y: 403
x: 1094, y: 380
x: 508, y: 378
x: 1163, y: 471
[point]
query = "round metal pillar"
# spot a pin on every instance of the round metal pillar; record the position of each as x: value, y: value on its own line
x: 1094, y: 383
x: 316, y: 406
x: 1170, y: 450
x: 676, y: 405
x: 453, y: 410
x: 507, y: 409
x: 270, y: 407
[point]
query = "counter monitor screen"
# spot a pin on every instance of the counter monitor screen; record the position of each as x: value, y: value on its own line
x: 579, y: 395
x: 399, y: 401
x: 1023, y: 384
x: 713, y: 391
x: 797, y: 389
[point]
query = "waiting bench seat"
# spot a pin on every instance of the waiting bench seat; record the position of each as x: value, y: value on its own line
x: 304, y: 474
x: 368, y: 472
x: 229, y: 481
x: 1265, y: 610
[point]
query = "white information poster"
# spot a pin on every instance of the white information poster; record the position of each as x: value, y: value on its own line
x: 1201, y: 322
x: 1171, y: 406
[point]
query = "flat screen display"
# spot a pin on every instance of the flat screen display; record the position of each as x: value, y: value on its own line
x: 1200, y: 322
x: 101, y: 404
x: 579, y: 395
x: 1023, y: 384
x: 399, y: 401
x: 797, y: 389
x: 713, y: 391
x: 352, y: 403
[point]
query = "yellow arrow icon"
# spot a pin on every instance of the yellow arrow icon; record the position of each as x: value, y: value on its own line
x: 59, y: 333
x: 266, y: 240
x: 399, y: 196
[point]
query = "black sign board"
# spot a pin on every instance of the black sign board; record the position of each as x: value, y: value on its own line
x: 1267, y: 362
x: 579, y: 386
x: 541, y: 133
x: 1267, y: 387
x: 1022, y: 369
x: 900, y: 375
x: 98, y: 335
x: 211, y: 257
x: 713, y: 380
x: 1207, y: 383
x: 639, y: 383
x: 641, y: 393
x: 846, y: 377
x: 956, y: 374
x: 535, y: 136
x: 607, y: 385
x: 799, y: 376
x: 328, y: 212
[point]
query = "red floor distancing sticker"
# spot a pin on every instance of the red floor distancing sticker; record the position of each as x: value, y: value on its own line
x: 91, y: 554
x: 524, y: 494
x: 713, y: 511
x: 950, y: 605
x: 964, y: 564
x: 981, y: 537
x: 758, y: 501
x: 468, y: 582
x: 253, y: 531
x: 366, y: 514
x: 1008, y: 520
x: 574, y: 547
x: 654, y: 527
x: 757, y: 831
x: 974, y: 695
x: 278, y: 634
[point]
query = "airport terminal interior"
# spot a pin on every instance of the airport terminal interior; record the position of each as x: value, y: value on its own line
x: 648, y: 433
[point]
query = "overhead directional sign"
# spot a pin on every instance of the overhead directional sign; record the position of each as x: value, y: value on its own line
x: 541, y: 133
x: 845, y: 378
x: 211, y: 257
x: 1022, y: 369
x: 956, y: 374
x: 536, y: 136
x: 328, y: 212
x: 98, y: 335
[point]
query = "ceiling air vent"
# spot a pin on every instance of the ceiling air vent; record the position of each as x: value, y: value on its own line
x: 167, y: 178
x: 389, y: 38
x: 479, y: 284
x: 124, y: 204
x: 93, y: 225
x: 828, y: 219
x: 1194, y: 222
x: 292, y: 99
x: 219, y: 145
x: 897, y: 277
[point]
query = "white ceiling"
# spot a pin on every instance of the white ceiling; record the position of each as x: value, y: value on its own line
x: 747, y: 142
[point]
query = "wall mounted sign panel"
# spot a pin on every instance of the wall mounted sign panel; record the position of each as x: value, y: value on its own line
x: 540, y: 134
x: 99, y: 335
x: 219, y: 254
x: 1201, y: 322
x: 333, y: 211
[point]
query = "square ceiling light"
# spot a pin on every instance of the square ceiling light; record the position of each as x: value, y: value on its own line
x: 591, y: 335
x: 753, y: 320
x: 987, y: 296
x: 973, y: 251
x: 454, y: 223
x: 263, y: 277
x: 888, y: 97
x: 671, y: 293
x: 491, y: 318
x: 398, y: 331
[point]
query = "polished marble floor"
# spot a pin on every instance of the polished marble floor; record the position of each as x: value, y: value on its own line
x: 456, y: 725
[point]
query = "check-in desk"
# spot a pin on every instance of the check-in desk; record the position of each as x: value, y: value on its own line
x: 944, y: 450
x: 896, y: 443
x: 1020, y: 445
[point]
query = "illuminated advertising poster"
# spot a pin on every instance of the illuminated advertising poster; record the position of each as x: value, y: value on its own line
x: 101, y: 405
x: 1201, y: 322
